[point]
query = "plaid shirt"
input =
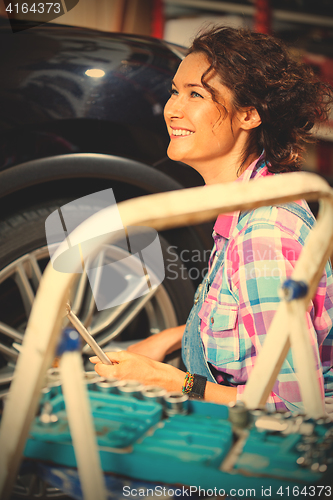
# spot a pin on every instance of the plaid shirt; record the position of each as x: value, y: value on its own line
x: 243, y: 298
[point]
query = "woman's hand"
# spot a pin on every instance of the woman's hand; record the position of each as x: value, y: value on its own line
x: 130, y: 366
x: 159, y: 345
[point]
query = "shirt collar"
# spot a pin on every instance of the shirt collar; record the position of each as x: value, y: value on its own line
x: 226, y: 223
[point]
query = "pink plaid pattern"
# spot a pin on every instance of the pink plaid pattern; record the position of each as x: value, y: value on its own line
x: 243, y: 298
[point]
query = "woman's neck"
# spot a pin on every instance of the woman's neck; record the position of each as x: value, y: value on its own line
x: 226, y: 170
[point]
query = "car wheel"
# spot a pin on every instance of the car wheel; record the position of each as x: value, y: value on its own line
x: 23, y: 258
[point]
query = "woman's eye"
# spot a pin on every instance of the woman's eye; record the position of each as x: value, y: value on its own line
x: 174, y: 91
x: 195, y: 94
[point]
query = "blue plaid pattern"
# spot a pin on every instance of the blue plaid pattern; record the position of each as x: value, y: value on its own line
x: 260, y: 253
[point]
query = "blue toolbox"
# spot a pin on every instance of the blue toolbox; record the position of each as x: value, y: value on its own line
x: 225, y: 450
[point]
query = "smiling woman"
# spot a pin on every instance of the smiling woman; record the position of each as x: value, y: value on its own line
x: 240, y: 109
x: 192, y: 114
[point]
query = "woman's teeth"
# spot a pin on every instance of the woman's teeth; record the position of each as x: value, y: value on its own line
x: 181, y: 132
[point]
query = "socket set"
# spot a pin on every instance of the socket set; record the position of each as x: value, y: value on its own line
x: 145, y: 434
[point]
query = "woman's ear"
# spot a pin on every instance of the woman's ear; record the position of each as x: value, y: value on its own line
x: 249, y: 118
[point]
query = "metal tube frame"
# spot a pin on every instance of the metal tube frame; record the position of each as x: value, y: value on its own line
x: 163, y: 211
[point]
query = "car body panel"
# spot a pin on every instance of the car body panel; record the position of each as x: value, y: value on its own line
x: 51, y: 106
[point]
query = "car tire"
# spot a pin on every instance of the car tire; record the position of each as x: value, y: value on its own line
x: 23, y: 258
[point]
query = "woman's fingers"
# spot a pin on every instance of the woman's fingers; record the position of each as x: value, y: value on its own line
x: 129, y: 366
x: 115, y: 357
x: 106, y: 371
x: 94, y: 359
x: 125, y: 365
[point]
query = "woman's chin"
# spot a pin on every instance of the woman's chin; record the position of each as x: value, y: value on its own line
x: 175, y: 155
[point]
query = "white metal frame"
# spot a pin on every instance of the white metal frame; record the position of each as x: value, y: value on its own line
x: 163, y: 211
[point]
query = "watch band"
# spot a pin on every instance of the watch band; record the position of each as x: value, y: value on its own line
x: 198, y: 388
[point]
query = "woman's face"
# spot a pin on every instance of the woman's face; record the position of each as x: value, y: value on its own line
x: 202, y: 134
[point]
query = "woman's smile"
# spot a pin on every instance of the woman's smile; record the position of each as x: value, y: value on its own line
x: 179, y: 132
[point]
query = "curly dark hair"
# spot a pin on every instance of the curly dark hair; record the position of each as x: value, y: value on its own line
x: 261, y: 73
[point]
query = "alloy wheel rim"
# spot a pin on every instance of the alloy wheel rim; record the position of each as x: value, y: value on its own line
x: 18, y: 285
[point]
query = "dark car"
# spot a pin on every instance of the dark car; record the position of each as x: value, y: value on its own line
x: 82, y: 111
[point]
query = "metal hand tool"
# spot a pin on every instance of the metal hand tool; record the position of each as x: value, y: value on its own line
x: 86, y: 336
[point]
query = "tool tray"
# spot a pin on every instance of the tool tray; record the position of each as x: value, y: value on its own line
x: 136, y: 440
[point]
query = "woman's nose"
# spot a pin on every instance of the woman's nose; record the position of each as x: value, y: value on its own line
x: 174, y: 108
